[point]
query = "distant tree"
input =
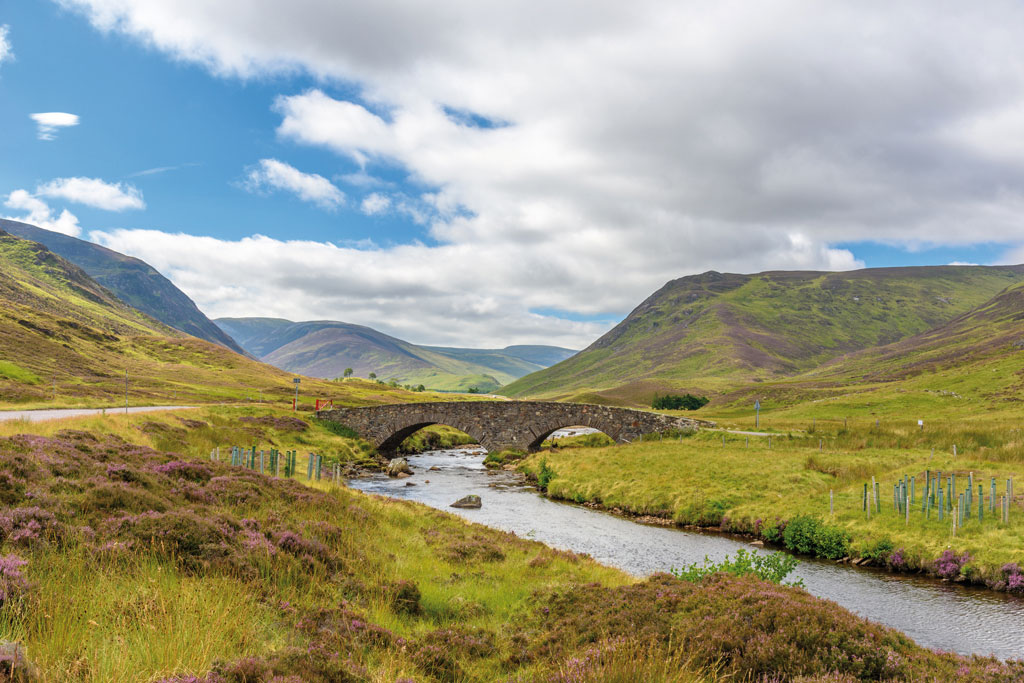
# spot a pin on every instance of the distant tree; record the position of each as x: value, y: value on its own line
x: 373, y: 375
x: 348, y: 372
x: 474, y: 390
x: 421, y: 388
x: 676, y: 402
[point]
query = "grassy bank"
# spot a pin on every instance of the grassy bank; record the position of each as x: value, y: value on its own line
x: 127, y: 560
x: 743, y: 485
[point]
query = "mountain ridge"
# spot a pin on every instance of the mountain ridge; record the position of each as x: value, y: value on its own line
x: 132, y: 280
x: 325, y: 348
x: 714, y: 331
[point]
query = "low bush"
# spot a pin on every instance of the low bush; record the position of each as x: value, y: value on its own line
x: 676, y: 402
x: 774, y: 567
x: 809, y: 536
x: 544, y: 475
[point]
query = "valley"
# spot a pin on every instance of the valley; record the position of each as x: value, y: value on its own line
x: 841, y: 379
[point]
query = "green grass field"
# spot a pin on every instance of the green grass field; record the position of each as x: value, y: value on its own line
x: 746, y: 486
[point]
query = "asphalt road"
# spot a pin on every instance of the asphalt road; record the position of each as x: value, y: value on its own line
x: 43, y: 415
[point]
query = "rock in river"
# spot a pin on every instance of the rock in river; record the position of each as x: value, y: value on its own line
x: 470, y: 501
x: 398, y: 466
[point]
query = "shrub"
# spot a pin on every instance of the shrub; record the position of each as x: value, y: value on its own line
x: 119, y: 496
x: 1013, y: 576
x: 182, y: 534
x: 809, y: 536
x: 12, y: 582
x: 544, y: 475
x: 191, y: 471
x: 774, y: 567
x: 28, y: 525
x: 880, y: 551
x: 949, y: 565
x: 676, y: 402
x: 403, y: 597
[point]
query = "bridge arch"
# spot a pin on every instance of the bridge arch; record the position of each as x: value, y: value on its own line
x: 390, y: 444
x: 541, y: 435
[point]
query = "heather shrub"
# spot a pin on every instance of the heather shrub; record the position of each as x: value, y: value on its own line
x: 118, y: 497
x: 305, y: 548
x: 747, y: 628
x: 233, y: 490
x: 283, y: 424
x: 403, y: 596
x: 123, y: 473
x: 190, y: 471
x: 477, y: 548
x: 28, y: 525
x: 12, y: 489
x: 13, y: 584
x: 949, y: 565
x: 438, y: 653
x: 194, y: 541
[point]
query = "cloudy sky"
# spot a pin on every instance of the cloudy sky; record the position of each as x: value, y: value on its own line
x: 482, y: 173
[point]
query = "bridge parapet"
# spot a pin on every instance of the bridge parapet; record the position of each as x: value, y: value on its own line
x: 500, y: 425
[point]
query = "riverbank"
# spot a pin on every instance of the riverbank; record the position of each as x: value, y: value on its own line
x: 124, y: 562
x: 745, y: 487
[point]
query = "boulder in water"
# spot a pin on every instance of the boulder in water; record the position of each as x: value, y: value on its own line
x: 398, y: 466
x: 469, y: 502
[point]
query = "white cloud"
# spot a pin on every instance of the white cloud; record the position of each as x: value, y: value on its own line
x: 638, y: 141
x: 40, y: 214
x: 310, y: 187
x: 6, y: 51
x: 375, y: 204
x: 48, y: 122
x: 94, y: 192
x: 416, y: 291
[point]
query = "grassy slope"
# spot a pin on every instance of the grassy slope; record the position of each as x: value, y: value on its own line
x: 327, y: 348
x: 65, y: 340
x: 971, y: 366
x: 257, y: 577
x: 133, y: 281
x: 711, y: 333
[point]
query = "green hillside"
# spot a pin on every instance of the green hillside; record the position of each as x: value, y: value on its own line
x: 715, y: 332
x: 326, y: 348
x: 133, y: 281
x: 66, y: 340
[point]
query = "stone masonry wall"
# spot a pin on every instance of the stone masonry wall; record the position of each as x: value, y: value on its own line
x: 498, y: 425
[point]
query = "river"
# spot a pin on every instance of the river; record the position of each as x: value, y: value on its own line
x: 935, y: 614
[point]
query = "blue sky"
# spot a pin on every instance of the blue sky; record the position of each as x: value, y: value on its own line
x: 140, y: 110
x: 476, y: 176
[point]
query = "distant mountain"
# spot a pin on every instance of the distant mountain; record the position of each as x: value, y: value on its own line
x: 133, y: 281
x: 714, y: 331
x: 326, y: 348
x: 64, y: 338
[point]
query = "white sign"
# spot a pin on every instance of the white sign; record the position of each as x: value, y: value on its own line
x: 920, y: 423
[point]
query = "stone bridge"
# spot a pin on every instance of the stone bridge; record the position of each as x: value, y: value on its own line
x: 499, y: 425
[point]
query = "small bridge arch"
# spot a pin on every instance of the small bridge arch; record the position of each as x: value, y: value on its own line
x: 499, y: 425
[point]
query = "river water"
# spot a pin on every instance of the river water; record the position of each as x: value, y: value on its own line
x: 935, y: 614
